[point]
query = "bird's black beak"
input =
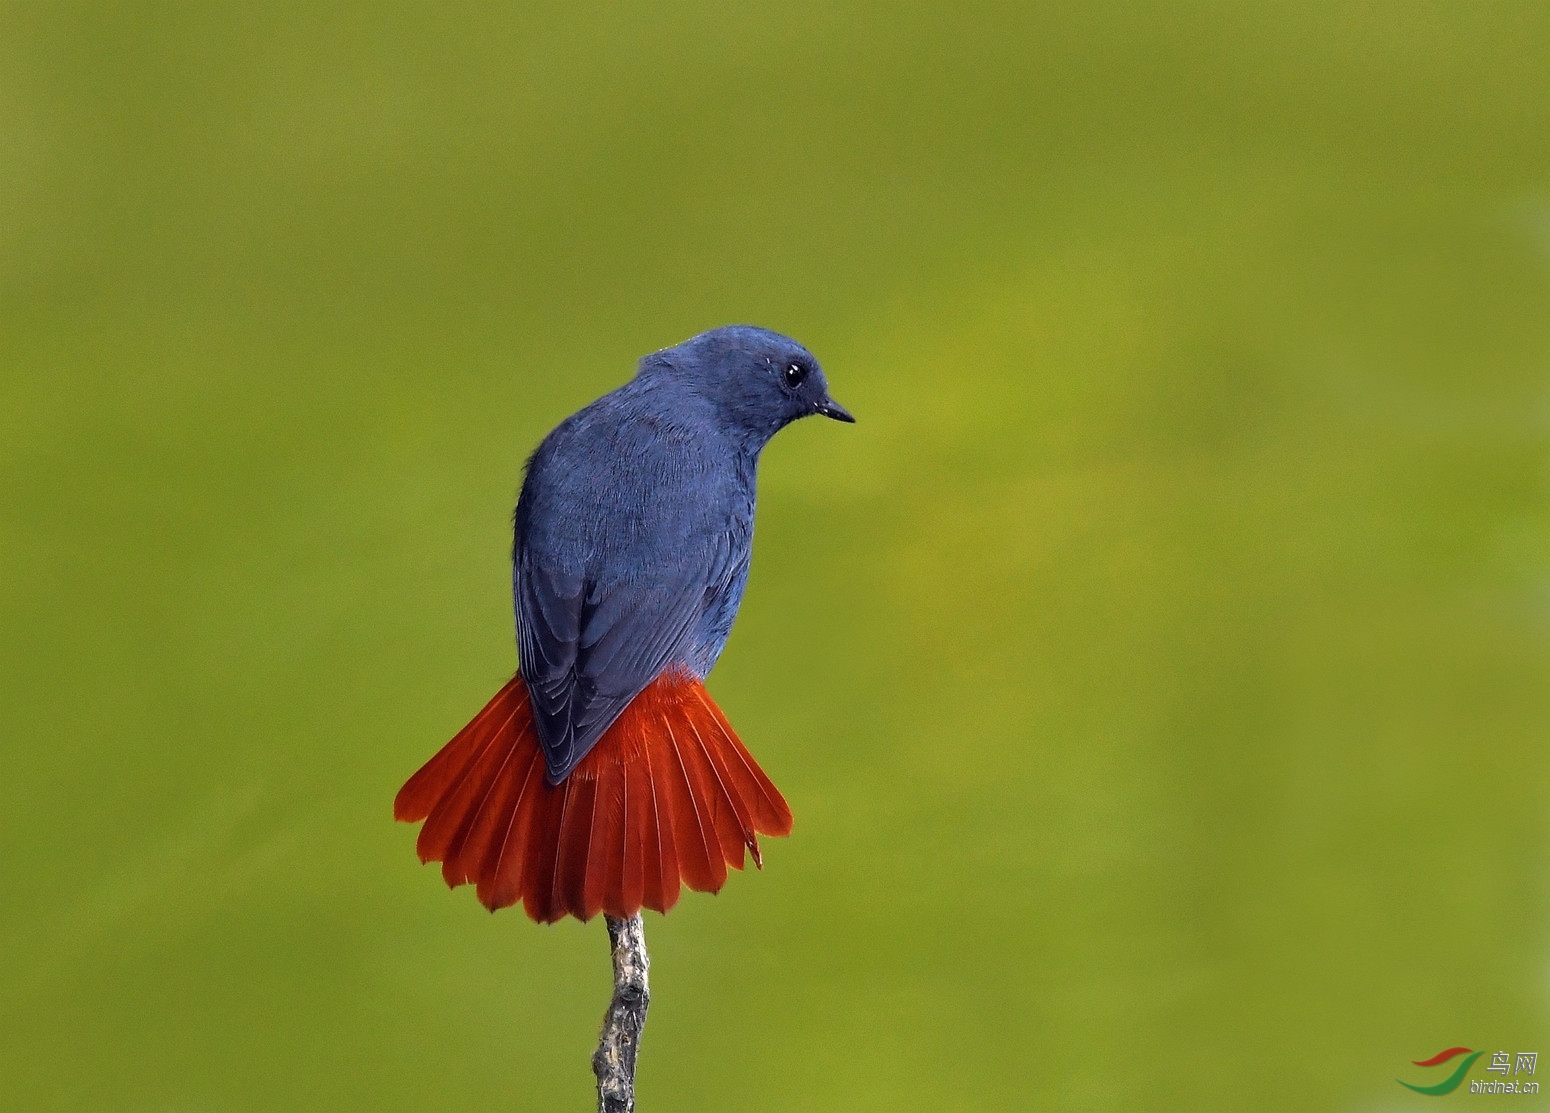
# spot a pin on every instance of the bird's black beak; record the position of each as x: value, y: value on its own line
x: 830, y: 408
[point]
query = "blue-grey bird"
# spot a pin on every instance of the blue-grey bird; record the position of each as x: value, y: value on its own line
x: 603, y: 776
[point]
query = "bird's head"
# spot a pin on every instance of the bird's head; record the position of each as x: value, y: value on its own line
x: 756, y: 380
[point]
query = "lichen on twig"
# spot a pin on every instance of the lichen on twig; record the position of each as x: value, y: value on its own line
x: 614, y: 1060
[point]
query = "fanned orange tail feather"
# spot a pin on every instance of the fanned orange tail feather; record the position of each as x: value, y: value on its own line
x: 668, y: 797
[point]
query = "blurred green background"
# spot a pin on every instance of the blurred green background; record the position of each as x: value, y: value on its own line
x: 1158, y: 671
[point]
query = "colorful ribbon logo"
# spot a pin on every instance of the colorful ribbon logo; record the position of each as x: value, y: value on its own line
x: 1451, y: 1083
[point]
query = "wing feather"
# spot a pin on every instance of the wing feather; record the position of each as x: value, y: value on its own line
x: 589, y: 647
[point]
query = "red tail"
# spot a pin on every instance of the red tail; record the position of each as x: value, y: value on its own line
x: 669, y: 795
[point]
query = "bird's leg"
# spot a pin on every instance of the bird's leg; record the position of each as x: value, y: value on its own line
x: 614, y: 1061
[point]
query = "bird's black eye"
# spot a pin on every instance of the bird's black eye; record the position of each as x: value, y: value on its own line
x: 794, y: 374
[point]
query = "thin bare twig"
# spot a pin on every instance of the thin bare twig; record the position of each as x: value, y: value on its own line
x: 614, y: 1061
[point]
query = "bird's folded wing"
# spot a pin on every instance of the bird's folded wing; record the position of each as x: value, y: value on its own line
x: 588, y: 647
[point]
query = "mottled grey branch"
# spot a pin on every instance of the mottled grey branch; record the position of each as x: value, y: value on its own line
x: 614, y: 1062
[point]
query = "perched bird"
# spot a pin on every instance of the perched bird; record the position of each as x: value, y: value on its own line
x: 603, y: 775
